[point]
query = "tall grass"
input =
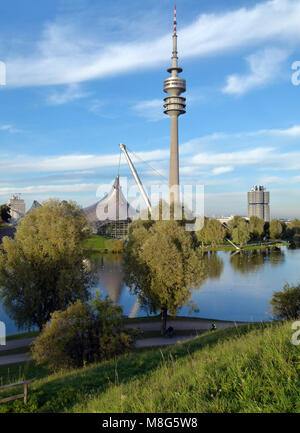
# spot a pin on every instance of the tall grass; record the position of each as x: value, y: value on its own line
x: 256, y: 372
x: 251, y: 368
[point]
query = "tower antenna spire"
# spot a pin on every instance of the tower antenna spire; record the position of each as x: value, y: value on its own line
x: 175, y: 22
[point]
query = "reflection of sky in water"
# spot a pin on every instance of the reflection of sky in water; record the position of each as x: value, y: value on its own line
x: 241, y: 292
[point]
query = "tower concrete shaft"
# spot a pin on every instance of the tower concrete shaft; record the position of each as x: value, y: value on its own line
x: 174, y: 106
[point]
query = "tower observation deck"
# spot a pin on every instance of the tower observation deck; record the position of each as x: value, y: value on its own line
x: 174, y: 106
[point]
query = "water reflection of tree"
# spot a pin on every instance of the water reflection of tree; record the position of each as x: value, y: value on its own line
x: 107, y: 272
x: 276, y: 256
x: 212, y: 265
x: 249, y: 261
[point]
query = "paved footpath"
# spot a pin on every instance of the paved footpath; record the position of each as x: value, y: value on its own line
x: 16, y: 344
x: 185, y: 325
x: 14, y: 359
x: 182, y: 325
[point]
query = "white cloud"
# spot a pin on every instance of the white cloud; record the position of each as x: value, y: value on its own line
x: 44, y: 189
x: 264, y: 68
x: 222, y: 170
x: 193, y: 162
x: 30, y: 164
x: 65, y: 54
x: 268, y: 180
x: 71, y: 93
x: 239, y: 158
x: 205, y: 141
x: 152, y: 109
x: 9, y: 128
x: 294, y: 131
x: 264, y: 157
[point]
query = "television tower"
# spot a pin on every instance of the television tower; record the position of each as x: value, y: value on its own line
x: 174, y: 106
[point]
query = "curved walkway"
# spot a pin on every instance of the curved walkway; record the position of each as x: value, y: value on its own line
x: 180, y: 325
x: 185, y: 325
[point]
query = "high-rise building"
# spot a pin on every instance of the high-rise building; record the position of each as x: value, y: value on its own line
x: 259, y: 202
x: 17, y: 206
x: 174, y: 106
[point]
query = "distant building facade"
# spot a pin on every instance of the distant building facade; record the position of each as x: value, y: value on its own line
x: 17, y: 206
x: 259, y: 203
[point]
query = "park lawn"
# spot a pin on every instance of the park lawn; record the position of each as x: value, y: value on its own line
x: 250, y: 368
x: 102, y: 244
x: 95, y: 242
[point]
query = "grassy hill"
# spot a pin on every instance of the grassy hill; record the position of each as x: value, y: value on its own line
x: 245, y: 369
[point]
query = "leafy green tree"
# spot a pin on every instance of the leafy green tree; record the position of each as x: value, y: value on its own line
x: 266, y: 230
x: 201, y: 234
x: 286, y: 304
x: 161, y: 266
x: 235, y: 221
x: 256, y: 227
x: 275, y: 229
x: 81, y: 334
x: 240, y: 233
x: 5, y: 213
x: 295, y: 223
x: 42, y: 268
x: 214, y: 232
x: 294, y: 228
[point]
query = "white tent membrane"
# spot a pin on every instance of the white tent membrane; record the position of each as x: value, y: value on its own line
x: 112, y: 207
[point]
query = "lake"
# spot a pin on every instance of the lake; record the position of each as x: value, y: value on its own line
x: 238, y: 286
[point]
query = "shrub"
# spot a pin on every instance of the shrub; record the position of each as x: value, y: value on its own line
x: 286, y: 304
x: 81, y: 334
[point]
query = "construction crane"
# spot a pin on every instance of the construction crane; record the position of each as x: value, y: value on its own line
x: 136, y: 177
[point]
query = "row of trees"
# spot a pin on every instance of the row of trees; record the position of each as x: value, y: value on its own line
x: 241, y: 231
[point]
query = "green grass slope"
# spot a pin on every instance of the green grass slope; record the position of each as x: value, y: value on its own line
x: 246, y: 369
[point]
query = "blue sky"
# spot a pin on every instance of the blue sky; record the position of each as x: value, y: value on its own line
x: 84, y: 75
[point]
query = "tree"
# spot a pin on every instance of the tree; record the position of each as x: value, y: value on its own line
x: 240, y: 233
x: 256, y: 226
x: 235, y: 221
x: 5, y: 212
x: 42, y: 268
x: 294, y: 228
x: 200, y: 234
x: 83, y: 333
x: 275, y: 229
x: 161, y: 266
x: 286, y: 304
x: 213, y: 232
